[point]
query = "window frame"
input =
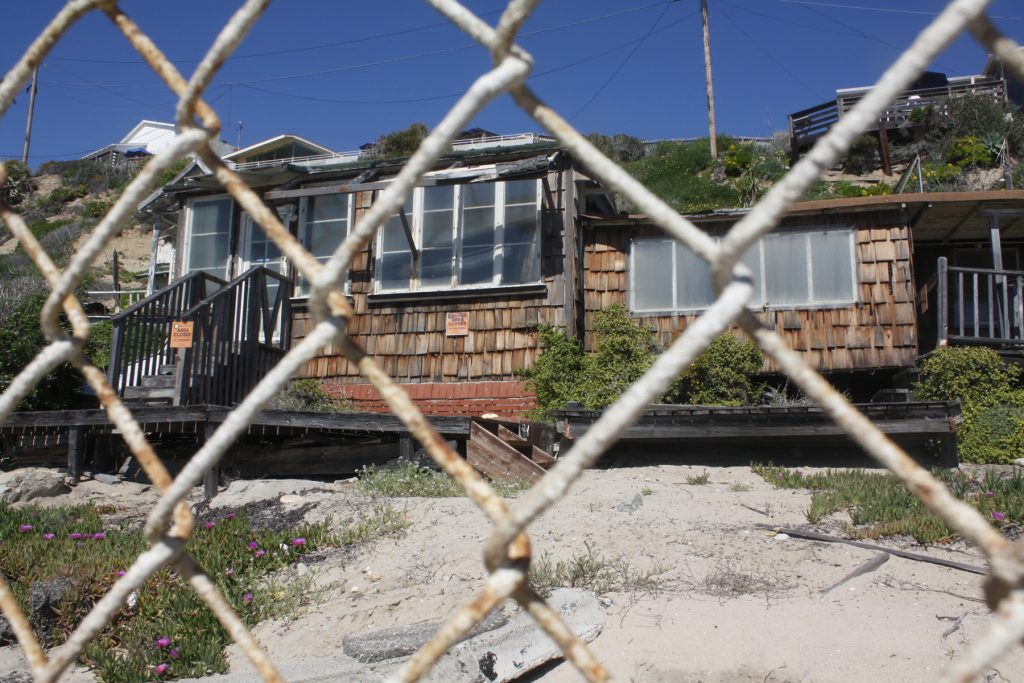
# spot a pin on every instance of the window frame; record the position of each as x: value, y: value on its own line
x: 186, y: 261
x: 762, y: 284
x: 416, y: 226
x: 300, y: 234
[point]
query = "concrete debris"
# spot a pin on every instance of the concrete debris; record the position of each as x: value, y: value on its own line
x: 631, y: 506
x: 29, y: 483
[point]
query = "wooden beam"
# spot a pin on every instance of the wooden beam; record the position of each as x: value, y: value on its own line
x: 212, y: 476
x: 497, y: 460
x: 883, y: 148
x: 76, y: 446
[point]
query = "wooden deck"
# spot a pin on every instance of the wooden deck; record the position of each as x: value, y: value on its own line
x: 912, y: 425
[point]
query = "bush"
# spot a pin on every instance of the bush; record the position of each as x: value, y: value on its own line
x: 625, y: 350
x: 401, y: 143
x: 21, y: 338
x: 721, y: 376
x: 681, y: 173
x: 738, y: 159
x: 969, y: 151
x: 18, y: 184
x: 619, y: 148
x: 306, y: 395
x: 863, y: 155
x: 993, y: 401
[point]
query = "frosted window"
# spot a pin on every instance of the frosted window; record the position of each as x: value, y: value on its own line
x: 325, y: 228
x: 785, y: 264
x: 210, y: 233
x: 693, y: 280
x: 652, y: 275
x: 832, y: 268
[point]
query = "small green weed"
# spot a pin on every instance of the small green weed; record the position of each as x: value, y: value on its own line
x: 646, y: 491
x: 880, y: 505
x: 385, y: 520
x: 594, y: 572
x: 740, y: 487
x: 699, y: 479
x: 407, y: 480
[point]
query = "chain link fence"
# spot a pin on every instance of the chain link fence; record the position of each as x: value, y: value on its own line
x: 507, y: 550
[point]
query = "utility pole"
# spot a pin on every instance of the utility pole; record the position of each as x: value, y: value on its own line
x: 707, y: 75
x: 31, y: 109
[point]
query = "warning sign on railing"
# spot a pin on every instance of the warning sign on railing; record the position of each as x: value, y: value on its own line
x: 181, y: 334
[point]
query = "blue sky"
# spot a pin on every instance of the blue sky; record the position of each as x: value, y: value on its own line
x: 343, y: 72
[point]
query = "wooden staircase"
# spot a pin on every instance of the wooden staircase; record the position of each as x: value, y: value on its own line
x: 502, y: 455
x: 158, y: 389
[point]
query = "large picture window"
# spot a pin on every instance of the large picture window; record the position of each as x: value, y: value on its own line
x: 324, y: 223
x: 462, y: 236
x: 209, y: 236
x: 793, y: 268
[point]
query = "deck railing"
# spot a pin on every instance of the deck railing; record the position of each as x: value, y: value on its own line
x: 239, y: 333
x: 810, y: 124
x: 973, y: 306
x: 139, y: 335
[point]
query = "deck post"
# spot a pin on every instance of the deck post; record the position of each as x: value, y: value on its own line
x: 1000, y: 280
x: 76, y: 443
x: 948, y: 455
x: 212, y: 476
x: 406, y: 448
x: 883, y: 148
x: 942, y: 303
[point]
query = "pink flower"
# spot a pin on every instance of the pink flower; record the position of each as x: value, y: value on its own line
x: 210, y: 525
x: 998, y: 516
x: 161, y: 668
x: 780, y: 475
x: 229, y: 516
x: 253, y: 545
x: 260, y: 553
x: 296, y: 542
x: 25, y: 528
x: 229, y: 572
x: 49, y: 536
x: 120, y: 573
x: 173, y: 654
x: 989, y: 494
x: 99, y: 536
x: 163, y: 641
x: 247, y: 597
x: 75, y: 536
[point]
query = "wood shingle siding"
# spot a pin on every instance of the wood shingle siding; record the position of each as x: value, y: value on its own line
x: 877, y: 331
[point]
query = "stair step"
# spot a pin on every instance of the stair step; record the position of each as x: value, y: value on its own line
x: 167, y: 369
x: 158, y: 381
x: 510, y: 437
x: 542, y: 458
x: 497, y: 459
x: 149, y: 393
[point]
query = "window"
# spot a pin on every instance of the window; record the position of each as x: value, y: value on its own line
x: 209, y: 232
x: 323, y: 225
x: 471, y: 235
x: 790, y: 269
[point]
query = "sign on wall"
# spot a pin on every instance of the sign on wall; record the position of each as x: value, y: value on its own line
x: 456, y: 324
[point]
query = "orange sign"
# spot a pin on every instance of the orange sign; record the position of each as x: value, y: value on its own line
x: 181, y: 335
x: 456, y: 324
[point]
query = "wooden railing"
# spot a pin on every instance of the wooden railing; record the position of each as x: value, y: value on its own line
x: 239, y: 333
x: 139, y: 335
x: 808, y: 125
x: 973, y: 306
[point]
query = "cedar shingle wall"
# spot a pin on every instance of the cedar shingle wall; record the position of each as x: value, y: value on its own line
x: 877, y: 332
x: 408, y: 339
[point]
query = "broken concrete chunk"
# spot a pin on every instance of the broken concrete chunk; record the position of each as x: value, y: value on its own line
x: 401, y: 641
x: 29, y: 483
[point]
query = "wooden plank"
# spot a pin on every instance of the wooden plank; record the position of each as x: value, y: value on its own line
x: 76, y: 444
x: 497, y: 460
x: 542, y: 458
x: 703, y: 429
x: 510, y: 437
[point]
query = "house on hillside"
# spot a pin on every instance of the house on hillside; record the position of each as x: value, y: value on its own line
x: 503, y: 235
x: 930, y: 88
x: 144, y: 140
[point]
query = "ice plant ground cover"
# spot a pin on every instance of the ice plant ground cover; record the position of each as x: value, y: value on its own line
x: 879, y: 505
x: 167, y: 631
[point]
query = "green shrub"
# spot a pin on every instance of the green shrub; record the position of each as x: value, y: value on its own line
x: 21, y: 338
x: 738, y: 159
x: 969, y: 151
x: 989, y: 388
x: 306, y: 395
x: 721, y: 376
x: 681, y: 173
x: 619, y: 148
x: 623, y: 351
x: 939, y: 173
x: 95, y: 208
x: 408, y: 480
x: 401, y: 143
x: 843, y: 188
x: 863, y: 155
x: 18, y: 184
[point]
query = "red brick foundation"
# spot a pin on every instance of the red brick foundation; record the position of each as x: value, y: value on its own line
x: 508, y: 400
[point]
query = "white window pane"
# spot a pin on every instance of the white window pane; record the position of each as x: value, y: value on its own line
x: 477, y: 265
x: 478, y: 194
x: 693, y: 280
x: 521, y: 192
x: 209, y: 253
x: 211, y: 217
x: 436, y: 267
x: 395, y: 270
x: 652, y: 275
x: 437, y: 229
x: 210, y: 231
x: 519, y: 264
x: 329, y: 207
x: 832, y: 265
x: 323, y: 239
x: 785, y: 263
x: 438, y: 197
x: 520, y: 223
x: 752, y: 260
x: 393, y: 236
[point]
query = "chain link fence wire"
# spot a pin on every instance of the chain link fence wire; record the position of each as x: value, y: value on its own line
x: 506, y: 552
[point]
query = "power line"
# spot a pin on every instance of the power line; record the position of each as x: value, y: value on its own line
x: 622, y: 64
x: 379, y: 36
x: 770, y: 56
x: 891, y: 10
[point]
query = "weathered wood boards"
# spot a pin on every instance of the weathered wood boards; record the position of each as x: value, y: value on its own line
x: 498, y: 460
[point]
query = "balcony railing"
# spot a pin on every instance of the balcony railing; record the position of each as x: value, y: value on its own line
x: 972, y: 306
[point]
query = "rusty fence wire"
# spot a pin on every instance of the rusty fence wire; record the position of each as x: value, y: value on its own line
x: 507, y: 550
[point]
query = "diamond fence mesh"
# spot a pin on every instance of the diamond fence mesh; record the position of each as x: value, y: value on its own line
x: 507, y: 550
